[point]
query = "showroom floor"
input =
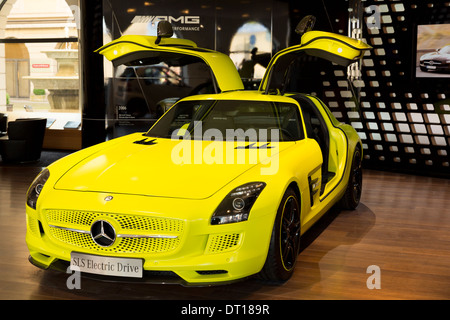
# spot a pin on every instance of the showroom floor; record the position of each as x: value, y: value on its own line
x: 398, y: 240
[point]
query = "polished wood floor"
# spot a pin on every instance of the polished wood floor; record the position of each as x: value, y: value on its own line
x: 402, y: 226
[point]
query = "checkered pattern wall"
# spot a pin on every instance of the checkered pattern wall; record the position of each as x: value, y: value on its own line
x: 403, y: 119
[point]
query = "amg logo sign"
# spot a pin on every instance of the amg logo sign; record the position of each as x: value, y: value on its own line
x: 156, y: 19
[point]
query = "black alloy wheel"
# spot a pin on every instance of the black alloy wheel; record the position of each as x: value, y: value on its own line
x: 285, y: 241
x: 290, y: 233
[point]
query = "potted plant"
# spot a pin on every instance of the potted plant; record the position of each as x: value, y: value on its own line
x: 9, y: 105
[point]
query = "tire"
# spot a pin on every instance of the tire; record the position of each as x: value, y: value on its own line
x: 285, y: 241
x: 352, y: 195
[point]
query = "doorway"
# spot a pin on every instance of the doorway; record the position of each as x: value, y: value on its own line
x: 16, y: 85
x: 17, y: 60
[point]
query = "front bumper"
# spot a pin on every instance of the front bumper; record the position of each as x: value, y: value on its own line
x: 195, y: 253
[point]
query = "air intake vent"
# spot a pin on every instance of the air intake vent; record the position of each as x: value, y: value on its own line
x: 209, y: 272
x: 218, y: 243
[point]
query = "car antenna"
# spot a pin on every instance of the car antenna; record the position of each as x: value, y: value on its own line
x: 164, y: 30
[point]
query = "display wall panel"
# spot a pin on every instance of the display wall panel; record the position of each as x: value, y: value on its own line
x: 411, y: 111
x: 401, y: 114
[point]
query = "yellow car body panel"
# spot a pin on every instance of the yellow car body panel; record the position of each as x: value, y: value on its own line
x: 330, y: 46
x: 133, y: 43
x: 225, y: 72
x: 340, y: 45
x: 161, y: 209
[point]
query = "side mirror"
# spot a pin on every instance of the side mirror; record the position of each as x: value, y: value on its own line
x: 164, y: 30
x: 305, y: 25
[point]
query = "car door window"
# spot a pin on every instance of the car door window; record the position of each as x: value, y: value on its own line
x: 316, y: 128
x: 144, y: 88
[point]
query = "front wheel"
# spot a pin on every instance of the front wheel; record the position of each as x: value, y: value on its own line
x: 285, y: 242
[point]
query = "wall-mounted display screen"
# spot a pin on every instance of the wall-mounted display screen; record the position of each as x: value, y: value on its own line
x: 433, y: 51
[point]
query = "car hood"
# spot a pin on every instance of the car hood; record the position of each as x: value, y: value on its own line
x: 163, y: 167
x: 435, y: 56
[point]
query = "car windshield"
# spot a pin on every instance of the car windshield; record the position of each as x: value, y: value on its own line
x: 225, y: 120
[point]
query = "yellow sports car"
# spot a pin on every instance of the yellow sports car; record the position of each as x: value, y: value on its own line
x: 220, y: 188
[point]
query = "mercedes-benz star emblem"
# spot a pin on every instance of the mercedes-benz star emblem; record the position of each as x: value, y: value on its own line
x: 103, y: 233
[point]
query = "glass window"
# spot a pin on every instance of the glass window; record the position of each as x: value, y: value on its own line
x: 244, y: 120
x: 298, y: 72
x: 41, y: 68
x: 250, y: 50
x: 148, y: 84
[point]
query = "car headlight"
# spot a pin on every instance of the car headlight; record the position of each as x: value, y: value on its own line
x: 36, y: 187
x: 237, y: 204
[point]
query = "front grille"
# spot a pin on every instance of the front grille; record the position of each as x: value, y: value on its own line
x: 122, y: 245
x: 432, y: 62
x: 83, y: 220
x: 128, y: 222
